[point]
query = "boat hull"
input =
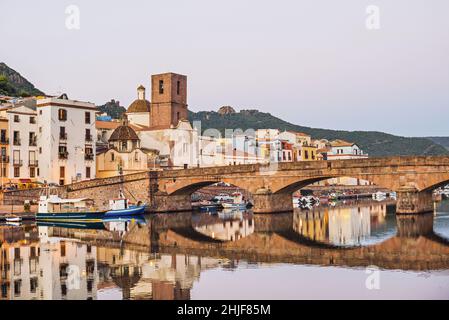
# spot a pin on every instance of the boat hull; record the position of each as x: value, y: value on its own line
x: 126, y: 212
x: 95, y: 216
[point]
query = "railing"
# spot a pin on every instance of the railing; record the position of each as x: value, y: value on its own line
x: 17, y: 163
x: 89, y: 156
x: 33, y: 142
x: 16, y: 142
x: 88, y: 137
x: 4, y: 158
x: 63, y: 155
x: 63, y: 136
x: 32, y: 163
x: 4, y: 141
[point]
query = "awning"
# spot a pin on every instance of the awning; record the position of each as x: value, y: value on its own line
x: 25, y: 180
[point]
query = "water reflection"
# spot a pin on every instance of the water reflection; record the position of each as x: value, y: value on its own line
x: 350, y: 224
x: 225, y: 226
x: 183, y: 256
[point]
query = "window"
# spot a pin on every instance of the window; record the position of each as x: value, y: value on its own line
x: 16, y: 172
x: 32, y: 139
x: 177, y: 116
x: 136, y: 156
x: 3, y: 136
x: 16, y: 138
x: 161, y: 86
x: 61, y: 182
x: 40, y: 112
x: 178, y: 87
x: 62, y: 172
x: 40, y: 149
x: 62, y: 115
x: 32, y: 172
x: 4, y: 172
x: 112, y: 156
x: 32, y: 120
x: 87, y: 172
x: 16, y: 118
x: 306, y: 154
x: 87, y: 117
x: 40, y: 129
x: 62, y: 133
x: 88, y: 135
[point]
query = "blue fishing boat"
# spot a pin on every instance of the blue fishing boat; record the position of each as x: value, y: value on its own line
x: 120, y: 208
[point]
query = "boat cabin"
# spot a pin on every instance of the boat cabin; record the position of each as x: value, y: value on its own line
x: 54, y: 204
x: 118, y: 204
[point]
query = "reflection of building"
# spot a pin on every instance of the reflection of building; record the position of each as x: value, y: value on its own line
x: 227, y: 230
x: 68, y: 268
x: 340, y: 225
x: 19, y: 263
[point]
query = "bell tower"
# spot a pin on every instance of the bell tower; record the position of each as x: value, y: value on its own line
x: 168, y: 100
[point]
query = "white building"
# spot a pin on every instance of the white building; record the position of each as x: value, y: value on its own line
x: 341, y: 150
x: 66, y: 140
x: 23, y: 160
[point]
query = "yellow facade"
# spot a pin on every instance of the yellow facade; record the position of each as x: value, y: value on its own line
x: 307, y: 153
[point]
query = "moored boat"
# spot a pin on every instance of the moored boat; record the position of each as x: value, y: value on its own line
x: 13, y: 218
x: 53, y: 208
x: 120, y: 207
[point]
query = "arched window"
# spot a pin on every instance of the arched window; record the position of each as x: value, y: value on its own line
x: 62, y: 114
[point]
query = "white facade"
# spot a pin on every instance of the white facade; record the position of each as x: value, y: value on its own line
x: 23, y: 155
x: 66, y: 143
x: 341, y: 150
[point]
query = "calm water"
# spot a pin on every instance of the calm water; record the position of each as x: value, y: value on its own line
x: 350, y: 250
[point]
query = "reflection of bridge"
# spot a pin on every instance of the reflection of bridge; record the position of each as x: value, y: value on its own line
x: 415, y: 246
x: 271, y: 186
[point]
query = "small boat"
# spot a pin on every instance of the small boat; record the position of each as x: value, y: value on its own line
x: 237, y: 202
x: 13, y: 218
x: 120, y: 207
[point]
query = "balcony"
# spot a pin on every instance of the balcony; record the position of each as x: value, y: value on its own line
x: 16, y: 142
x: 33, y: 143
x: 4, y: 140
x: 88, y: 137
x: 32, y: 163
x: 89, y: 156
x: 63, y: 155
x: 63, y: 136
x: 17, y: 163
x: 4, y: 159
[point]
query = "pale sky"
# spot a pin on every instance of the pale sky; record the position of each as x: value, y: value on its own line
x: 312, y: 63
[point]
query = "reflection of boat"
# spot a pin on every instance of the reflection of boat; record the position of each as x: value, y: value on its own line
x: 121, y: 224
x: 52, y: 207
x: 13, y: 218
x: 13, y: 224
x: 230, y: 214
x: 306, y: 201
x: 72, y: 225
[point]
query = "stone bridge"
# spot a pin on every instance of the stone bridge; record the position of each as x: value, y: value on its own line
x: 271, y: 186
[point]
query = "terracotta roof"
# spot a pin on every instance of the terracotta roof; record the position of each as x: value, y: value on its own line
x: 341, y: 143
x: 124, y: 132
x: 106, y: 124
x: 299, y: 133
x: 139, y: 106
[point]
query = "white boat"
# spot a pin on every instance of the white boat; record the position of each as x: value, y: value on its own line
x: 13, y: 218
x: 237, y: 202
x: 379, y: 196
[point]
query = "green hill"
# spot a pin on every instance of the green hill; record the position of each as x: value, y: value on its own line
x: 13, y: 84
x: 372, y: 142
x: 444, y: 141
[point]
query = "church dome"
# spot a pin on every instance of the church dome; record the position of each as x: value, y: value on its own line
x: 123, y: 133
x: 139, y: 106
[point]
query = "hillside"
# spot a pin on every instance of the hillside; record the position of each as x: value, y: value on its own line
x: 13, y: 84
x: 373, y: 142
x: 444, y: 141
x: 113, y: 109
